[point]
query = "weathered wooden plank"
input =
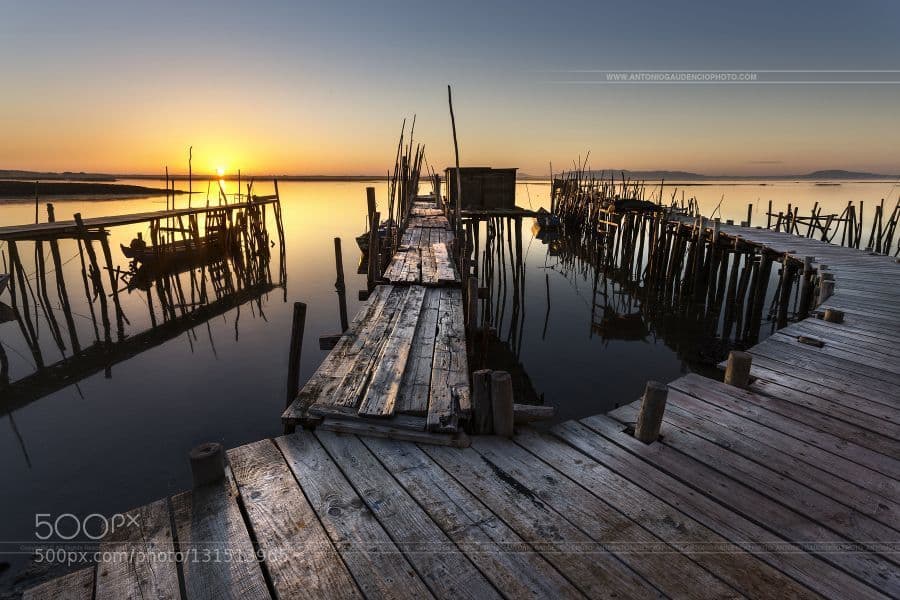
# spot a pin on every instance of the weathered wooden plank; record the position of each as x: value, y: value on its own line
x: 377, y: 565
x: 446, y: 273
x: 429, y: 265
x: 413, y: 395
x: 513, y: 566
x: 846, y: 521
x: 837, y: 437
x: 852, y: 356
x: 672, y: 573
x: 437, y: 560
x: 869, y: 493
x: 584, y: 562
x: 381, y: 395
x: 730, y: 562
x: 220, y: 561
x: 361, y: 357
x: 809, y: 357
x: 78, y: 585
x: 743, y: 496
x: 747, y: 534
x: 137, y: 560
x: 299, y: 557
x: 448, y: 397
x: 823, y: 377
x: 330, y: 372
x: 872, y: 416
x: 388, y: 430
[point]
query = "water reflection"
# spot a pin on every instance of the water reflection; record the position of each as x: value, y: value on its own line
x: 221, y: 261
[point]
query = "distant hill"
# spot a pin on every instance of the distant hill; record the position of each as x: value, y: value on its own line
x: 49, y: 176
x: 829, y: 174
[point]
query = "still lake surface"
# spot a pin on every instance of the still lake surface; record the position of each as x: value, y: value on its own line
x: 114, y: 440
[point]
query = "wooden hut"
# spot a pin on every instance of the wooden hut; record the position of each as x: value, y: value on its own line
x: 483, y: 187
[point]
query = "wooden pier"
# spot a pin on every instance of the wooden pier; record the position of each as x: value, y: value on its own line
x: 785, y: 488
x: 400, y: 369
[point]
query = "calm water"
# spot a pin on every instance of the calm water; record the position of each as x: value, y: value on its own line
x: 112, y: 441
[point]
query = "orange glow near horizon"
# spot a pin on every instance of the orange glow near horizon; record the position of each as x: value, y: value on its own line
x: 220, y: 171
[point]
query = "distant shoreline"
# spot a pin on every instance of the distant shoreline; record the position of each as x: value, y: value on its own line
x: 25, y: 191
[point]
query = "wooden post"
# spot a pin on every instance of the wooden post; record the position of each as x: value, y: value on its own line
x: 483, y: 418
x: 737, y: 371
x: 458, y: 174
x: 769, y: 216
x: 339, y: 284
x: 650, y: 417
x: 51, y: 214
x: 35, y: 201
x: 373, y: 235
x: 749, y: 214
x: 833, y: 315
x: 472, y: 303
x: 502, y: 403
x: 207, y: 464
x: 297, y: 328
x: 826, y: 289
x: 805, y: 286
x: 787, y: 278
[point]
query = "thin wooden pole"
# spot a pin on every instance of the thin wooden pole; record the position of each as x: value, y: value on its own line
x: 456, y: 154
x: 340, y: 285
x: 297, y: 328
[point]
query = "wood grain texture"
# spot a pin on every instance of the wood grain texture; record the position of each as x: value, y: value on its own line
x: 299, y: 557
x: 378, y: 567
x: 78, y: 585
x: 137, y: 560
x: 220, y: 561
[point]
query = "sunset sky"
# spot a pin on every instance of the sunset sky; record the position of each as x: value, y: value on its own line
x: 303, y: 88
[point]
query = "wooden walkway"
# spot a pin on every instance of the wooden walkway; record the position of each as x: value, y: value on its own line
x: 787, y: 489
x: 400, y: 369
x: 60, y: 229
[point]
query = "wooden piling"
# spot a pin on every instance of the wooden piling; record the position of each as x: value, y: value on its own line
x: 833, y: 315
x: 653, y: 406
x: 737, y: 370
x: 340, y: 285
x: 483, y: 417
x: 297, y: 328
x: 502, y: 403
x: 207, y: 464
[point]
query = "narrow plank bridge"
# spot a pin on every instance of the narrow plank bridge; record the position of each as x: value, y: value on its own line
x: 786, y: 489
x: 400, y: 369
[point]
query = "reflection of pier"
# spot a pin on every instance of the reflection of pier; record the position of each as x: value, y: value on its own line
x: 182, y: 283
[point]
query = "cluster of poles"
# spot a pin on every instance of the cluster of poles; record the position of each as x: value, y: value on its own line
x: 403, y: 185
x: 658, y: 267
x: 187, y: 290
x: 849, y: 224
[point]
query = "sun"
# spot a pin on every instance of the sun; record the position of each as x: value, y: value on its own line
x: 220, y: 171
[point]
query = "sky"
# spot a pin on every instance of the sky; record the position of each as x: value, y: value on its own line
x: 322, y: 88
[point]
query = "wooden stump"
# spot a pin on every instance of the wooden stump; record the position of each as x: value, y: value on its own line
x: 737, y: 372
x: 653, y: 405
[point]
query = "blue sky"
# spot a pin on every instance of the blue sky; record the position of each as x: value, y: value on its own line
x: 305, y: 87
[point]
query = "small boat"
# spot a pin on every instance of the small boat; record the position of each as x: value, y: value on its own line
x: 362, y: 240
x: 4, y: 279
x: 179, y: 251
x: 546, y: 220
